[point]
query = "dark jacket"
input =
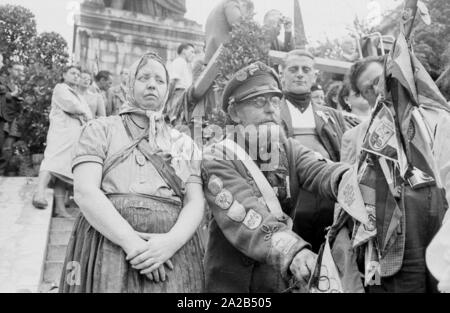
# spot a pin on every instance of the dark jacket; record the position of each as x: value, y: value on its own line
x: 243, y: 259
x: 286, y: 45
x: 313, y: 212
x: 10, y: 107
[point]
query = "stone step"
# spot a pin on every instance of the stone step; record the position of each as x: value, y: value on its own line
x: 24, y: 233
x: 56, y: 253
x: 62, y: 224
x: 59, y: 237
x: 52, y: 272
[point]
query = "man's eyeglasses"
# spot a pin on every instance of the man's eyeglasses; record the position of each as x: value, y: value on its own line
x: 260, y: 102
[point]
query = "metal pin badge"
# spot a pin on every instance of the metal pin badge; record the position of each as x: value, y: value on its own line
x: 140, y: 160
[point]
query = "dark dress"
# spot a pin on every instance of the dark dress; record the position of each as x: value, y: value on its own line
x: 144, y: 199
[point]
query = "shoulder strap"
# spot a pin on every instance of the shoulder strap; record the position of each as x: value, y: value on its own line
x: 164, y: 169
x: 263, y: 185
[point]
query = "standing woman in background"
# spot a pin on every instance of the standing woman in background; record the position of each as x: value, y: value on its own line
x: 68, y: 113
x: 137, y: 183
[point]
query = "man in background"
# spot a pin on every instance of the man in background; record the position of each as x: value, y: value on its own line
x: 273, y: 22
x: 364, y: 76
x: 317, y: 95
x: 10, y: 108
x: 316, y: 127
x: 103, y: 82
x: 117, y: 94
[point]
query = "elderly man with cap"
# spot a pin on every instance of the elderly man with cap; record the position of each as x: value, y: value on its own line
x: 252, y: 181
x: 316, y: 127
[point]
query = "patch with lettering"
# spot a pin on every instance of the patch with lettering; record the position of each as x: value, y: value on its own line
x: 237, y: 212
x: 224, y: 199
x: 381, y: 135
x: 215, y: 185
x: 283, y: 242
x: 252, y: 220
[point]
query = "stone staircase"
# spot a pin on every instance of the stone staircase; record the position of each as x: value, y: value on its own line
x: 60, y: 231
x: 24, y: 233
x: 58, y: 239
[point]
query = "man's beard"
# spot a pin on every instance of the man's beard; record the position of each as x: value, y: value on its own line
x: 263, y: 142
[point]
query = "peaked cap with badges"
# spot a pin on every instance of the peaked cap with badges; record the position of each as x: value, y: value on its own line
x: 251, y: 81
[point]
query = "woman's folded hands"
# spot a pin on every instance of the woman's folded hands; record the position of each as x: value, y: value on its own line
x: 152, y: 255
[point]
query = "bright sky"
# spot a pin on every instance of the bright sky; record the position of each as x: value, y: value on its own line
x: 322, y: 18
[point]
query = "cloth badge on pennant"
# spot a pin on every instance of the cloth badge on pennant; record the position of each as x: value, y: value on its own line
x: 365, y: 232
x: 381, y: 138
x: 237, y: 212
x: 215, y: 185
x: 252, y: 220
x: 328, y: 280
x: 350, y: 198
x: 224, y: 199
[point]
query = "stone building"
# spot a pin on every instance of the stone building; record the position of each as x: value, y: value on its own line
x: 112, y: 34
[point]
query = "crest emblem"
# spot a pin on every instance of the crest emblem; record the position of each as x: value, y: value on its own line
x: 215, y: 185
x: 140, y: 160
x: 241, y: 76
x: 252, y: 220
x: 224, y: 199
x: 381, y: 135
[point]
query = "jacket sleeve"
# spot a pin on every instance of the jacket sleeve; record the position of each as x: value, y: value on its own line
x: 245, y: 220
x: 348, y: 151
x: 341, y: 121
x: 316, y: 174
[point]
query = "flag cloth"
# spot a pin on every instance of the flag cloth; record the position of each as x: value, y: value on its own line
x: 326, y: 276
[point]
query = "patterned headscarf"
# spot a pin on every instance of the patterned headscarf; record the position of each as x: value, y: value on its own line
x: 163, y: 140
x: 159, y: 132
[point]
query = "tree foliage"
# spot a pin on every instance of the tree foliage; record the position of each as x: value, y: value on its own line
x: 432, y: 42
x: 248, y: 44
x: 51, y: 50
x: 37, y: 91
x: 44, y: 55
x: 17, y: 33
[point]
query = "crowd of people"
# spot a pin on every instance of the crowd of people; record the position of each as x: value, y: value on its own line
x: 10, y: 108
x: 280, y: 185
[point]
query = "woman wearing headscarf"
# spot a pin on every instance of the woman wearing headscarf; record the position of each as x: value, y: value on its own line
x: 137, y: 182
x: 69, y: 112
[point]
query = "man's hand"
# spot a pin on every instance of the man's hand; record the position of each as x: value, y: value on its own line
x: 302, y: 267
